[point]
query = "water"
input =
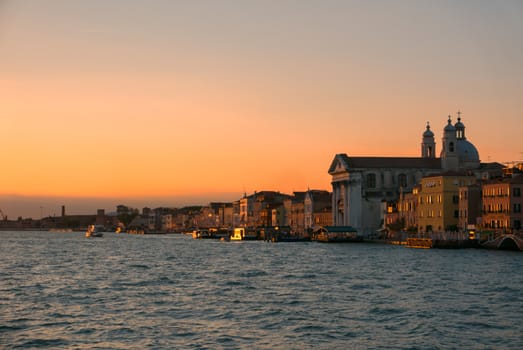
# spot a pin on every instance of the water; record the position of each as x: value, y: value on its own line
x: 61, y: 290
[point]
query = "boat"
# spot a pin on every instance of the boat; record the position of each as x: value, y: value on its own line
x: 337, y: 234
x: 243, y: 234
x: 237, y: 234
x: 201, y: 234
x: 420, y: 243
x: 94, y: 231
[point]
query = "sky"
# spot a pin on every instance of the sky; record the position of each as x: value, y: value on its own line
x: 158, y: 102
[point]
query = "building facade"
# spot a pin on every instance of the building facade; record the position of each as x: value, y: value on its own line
x: 469, y: 206
x: 317, y: 209
x: 502, y: 201
x: 361, y: 184
x: 438, y: 201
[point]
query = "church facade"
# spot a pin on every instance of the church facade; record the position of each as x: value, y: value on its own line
x: 360, y: 185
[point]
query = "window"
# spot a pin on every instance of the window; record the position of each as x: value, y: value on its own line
x: 451, y: 147
x: 371, y: 181
x: 517, y: 224
x: 402, y: 180
x: 516, y: 191
x: 517, y: 207
x: 455, y: 199
x: 456, y: 213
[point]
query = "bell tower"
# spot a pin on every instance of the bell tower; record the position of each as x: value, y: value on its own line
x: 449, y: 154
x: 428, y: 145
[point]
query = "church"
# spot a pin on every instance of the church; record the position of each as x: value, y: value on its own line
x: 361, y: 184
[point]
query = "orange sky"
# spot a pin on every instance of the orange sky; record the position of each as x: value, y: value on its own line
x: 138, y: 99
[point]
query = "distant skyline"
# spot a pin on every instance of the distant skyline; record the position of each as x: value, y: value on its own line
x: 187, y: 101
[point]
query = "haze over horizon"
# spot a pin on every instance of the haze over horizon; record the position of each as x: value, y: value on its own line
x: 36, y: 207
x: 174, y: 103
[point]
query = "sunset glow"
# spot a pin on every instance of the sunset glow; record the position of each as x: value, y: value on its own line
x: 133, y: 99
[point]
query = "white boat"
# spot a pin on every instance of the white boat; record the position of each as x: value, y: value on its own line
x: 94, y: 231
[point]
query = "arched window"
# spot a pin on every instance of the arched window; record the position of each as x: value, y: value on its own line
x: 371, y: 180
x: 402, y: 180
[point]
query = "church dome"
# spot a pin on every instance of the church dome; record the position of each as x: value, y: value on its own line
x: 467, y: 153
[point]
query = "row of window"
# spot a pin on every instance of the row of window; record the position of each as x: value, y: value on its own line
x: 503, y: 224
x: 500, y: 208
x: 430, y: 213
x: 371, y: 180
x: 430, y: 199
x: 501, y: 192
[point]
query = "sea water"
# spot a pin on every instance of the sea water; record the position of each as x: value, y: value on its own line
x: 65, y: 291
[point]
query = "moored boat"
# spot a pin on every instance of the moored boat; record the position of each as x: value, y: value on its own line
x: 243, y: 234
x: 337, y: 234
x: 201, y: 234
x: 94, y: 231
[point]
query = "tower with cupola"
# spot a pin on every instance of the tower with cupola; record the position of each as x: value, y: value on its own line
x: 449, y: 154
x: 468, y: 155
x: 428, y: 145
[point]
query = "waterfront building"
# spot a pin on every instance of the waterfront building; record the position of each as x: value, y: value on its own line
x: 278, y: 216
x: 502, y: 203
x: 317, y: 209
x: 391, y: 219
x: 246, y: 210
x: 408, y: 209
x: 469, y: 206
x: 295, y: 208
x: 361, y: 184
x: 236, y: 217
x: 167, y: 223
x: 207, y: 218
x: 257, y: 209
x: 438, y: 201
x: 225, y: 214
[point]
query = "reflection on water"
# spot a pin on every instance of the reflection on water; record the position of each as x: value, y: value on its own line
x: 125, y: 291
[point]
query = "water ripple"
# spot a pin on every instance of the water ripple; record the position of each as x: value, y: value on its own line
x: 139, y: 292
